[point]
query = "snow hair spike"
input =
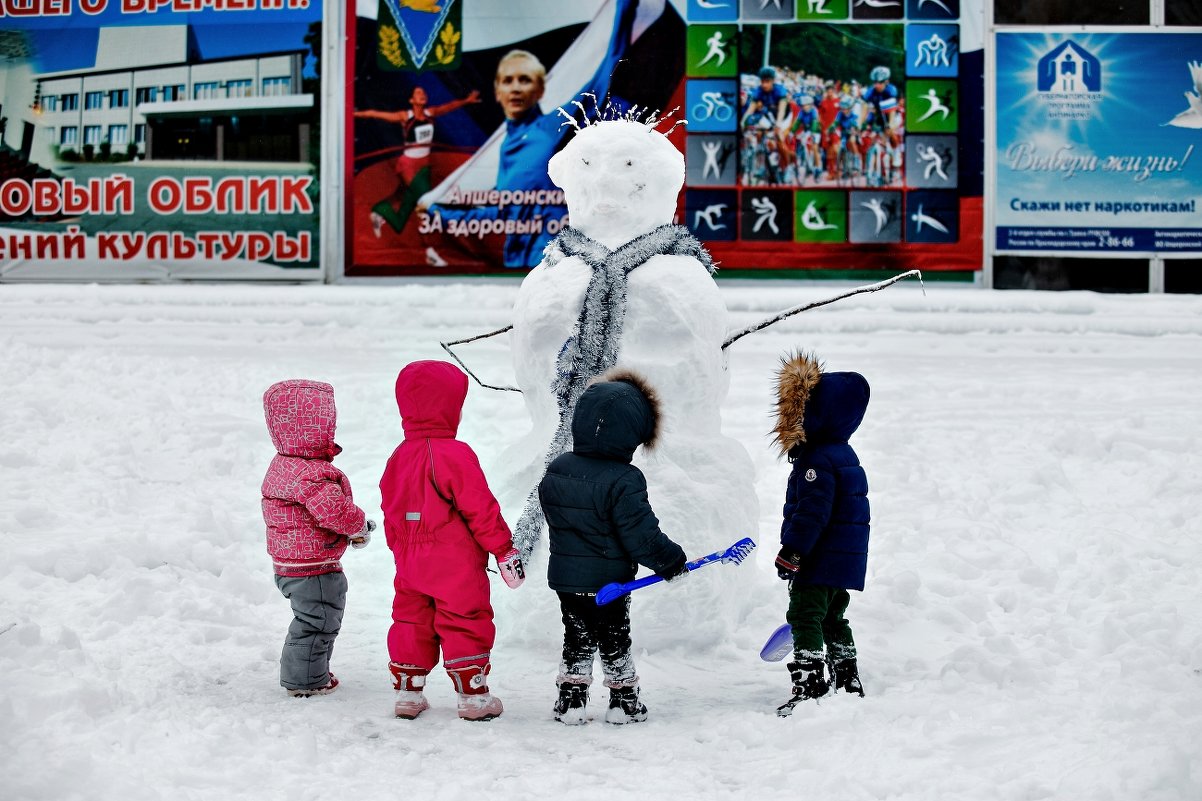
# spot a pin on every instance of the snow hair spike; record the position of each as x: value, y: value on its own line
x: 607, y: 113
x: 659, y: 119
x: 596, y: 105
x: 681, y: 121
x: 598, y: 113
x: 570, y: 118
x: 734, y: 554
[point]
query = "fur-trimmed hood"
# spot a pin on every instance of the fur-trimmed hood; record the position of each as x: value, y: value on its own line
x: 616, y: 414
x: 814, y: 406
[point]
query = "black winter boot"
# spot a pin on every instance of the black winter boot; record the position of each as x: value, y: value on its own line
x: 847, y: 677
x: 624, y: 706
x: 808, y: 683
x: 569, y: 707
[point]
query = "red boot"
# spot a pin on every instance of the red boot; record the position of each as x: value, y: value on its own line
x: 475, y: 701
x: 408, y: 681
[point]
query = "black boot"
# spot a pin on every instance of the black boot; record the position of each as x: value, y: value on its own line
x: 624, y: 706
x: 569, y: 707
x: 808, y: 683
x: 847, y: 677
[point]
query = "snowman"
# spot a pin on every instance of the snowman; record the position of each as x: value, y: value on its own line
x: 624, y: 286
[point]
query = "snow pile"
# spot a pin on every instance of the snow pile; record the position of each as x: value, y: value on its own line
x: 1029, y: 628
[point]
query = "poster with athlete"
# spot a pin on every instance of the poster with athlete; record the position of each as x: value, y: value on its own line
x: 456, y: 109
x: 821, y: 134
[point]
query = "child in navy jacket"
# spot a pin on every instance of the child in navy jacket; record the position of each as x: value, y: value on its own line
x: 824, y: 534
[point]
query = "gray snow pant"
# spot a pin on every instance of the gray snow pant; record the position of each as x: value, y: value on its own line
x: 317, y: 606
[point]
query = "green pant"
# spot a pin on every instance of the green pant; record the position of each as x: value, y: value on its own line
x: 816, y: 617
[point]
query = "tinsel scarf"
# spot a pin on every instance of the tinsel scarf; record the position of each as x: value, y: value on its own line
x: 596, y: 340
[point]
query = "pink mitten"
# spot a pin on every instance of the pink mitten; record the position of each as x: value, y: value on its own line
x: 511, y: 568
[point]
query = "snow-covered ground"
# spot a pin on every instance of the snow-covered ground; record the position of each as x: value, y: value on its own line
x: 1030, y: 629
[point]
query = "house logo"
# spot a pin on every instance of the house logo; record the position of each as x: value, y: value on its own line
x: 1070, y: 69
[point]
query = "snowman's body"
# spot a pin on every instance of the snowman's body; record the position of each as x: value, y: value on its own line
x: 621, y: 180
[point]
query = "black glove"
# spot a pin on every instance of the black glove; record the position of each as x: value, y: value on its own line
x: 788, y: 562
x: 675, y: 571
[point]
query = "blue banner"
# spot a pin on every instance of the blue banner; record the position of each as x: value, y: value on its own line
x: 1097, y: 136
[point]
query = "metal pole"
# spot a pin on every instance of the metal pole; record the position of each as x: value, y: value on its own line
x: 989, y: 192
x: 1155, y: 275
x: 333, y: 124
x: 1156, y: 263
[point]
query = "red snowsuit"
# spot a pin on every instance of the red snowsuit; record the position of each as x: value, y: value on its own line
x: 441, y: 522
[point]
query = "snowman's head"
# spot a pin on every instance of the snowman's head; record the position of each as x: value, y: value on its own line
x: 621, y: 179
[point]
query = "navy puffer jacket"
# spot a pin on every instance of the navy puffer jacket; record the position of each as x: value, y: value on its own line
x: 601, y: 523
x: 826, y: 513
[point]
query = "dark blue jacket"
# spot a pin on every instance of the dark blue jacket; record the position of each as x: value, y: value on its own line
x: 826, y: 514
x: 595, y: 501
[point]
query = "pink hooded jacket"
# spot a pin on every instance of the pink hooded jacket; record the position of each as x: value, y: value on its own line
x: 433, y: 488
x: 307, y: 503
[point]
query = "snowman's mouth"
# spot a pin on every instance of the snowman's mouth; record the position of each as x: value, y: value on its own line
x: 606, y: 208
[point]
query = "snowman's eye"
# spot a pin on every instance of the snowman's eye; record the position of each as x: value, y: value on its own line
x: 629, y: 163
x: 586, y: 162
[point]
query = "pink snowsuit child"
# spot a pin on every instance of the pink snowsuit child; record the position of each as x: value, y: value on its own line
x: 310, y: 517
x: 441, y: 522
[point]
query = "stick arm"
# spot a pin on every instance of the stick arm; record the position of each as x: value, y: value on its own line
x: 751, y: 329
x: 447, y: 347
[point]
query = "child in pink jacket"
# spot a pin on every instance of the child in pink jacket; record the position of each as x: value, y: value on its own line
x: 310, y: 519
x: 441, y: 522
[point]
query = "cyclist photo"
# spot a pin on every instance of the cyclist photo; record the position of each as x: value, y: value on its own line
x: 823, y: 108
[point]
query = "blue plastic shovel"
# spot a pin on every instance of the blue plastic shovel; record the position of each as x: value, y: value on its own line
x: 779, y: 644
x: 735, y: 553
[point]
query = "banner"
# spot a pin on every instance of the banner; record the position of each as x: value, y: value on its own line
x: 819, y: 167
x: 1097, y: 136
x: 451, y: 142
x: 144, y: 139
x: 853, y: 129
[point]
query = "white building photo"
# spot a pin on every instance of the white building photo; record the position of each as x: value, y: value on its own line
x: 150, y: 87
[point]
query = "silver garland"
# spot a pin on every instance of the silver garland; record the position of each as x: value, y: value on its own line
x: 596, y: 339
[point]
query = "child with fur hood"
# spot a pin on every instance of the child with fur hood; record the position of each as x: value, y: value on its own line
x: 602, y: 528
x: 310, y: 517
x: 824, y: 535
x: 441, y: 522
